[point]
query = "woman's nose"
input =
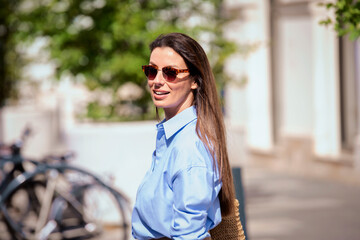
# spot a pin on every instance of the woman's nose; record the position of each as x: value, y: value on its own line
x: 159, y: 78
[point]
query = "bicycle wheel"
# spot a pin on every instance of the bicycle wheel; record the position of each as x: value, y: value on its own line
x: 70, y: 204
x: 23, y: 206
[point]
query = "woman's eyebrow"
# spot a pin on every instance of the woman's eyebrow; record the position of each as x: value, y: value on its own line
x: 175, y: 66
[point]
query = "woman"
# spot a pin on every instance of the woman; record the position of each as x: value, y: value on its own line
x: 189, y: 185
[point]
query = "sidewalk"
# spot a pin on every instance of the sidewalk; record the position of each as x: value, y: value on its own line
x: 281, y: 206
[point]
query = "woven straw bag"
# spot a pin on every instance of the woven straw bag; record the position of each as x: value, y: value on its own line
x: 229, y: 228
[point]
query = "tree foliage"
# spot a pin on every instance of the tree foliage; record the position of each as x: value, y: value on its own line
x: 9, y: 59
x: 105, y: 42
x: 347, y: 17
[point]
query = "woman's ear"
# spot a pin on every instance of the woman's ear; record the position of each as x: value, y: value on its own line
x: 194, y: 85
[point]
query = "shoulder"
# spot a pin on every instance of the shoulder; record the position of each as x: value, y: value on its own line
x: 187, y: 149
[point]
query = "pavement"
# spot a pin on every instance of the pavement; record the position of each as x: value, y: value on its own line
x: 284, y: 206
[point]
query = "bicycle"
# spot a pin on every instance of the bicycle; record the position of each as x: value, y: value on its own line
x: 13, y: 164
x: 61, y: 201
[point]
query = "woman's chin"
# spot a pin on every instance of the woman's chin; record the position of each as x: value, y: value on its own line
x: 159, y: 103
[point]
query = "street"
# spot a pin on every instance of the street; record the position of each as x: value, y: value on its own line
x: 280, y: 206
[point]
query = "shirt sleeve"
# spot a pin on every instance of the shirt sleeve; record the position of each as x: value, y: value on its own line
x: 193, y: 190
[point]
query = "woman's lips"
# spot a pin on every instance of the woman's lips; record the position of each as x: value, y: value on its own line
x: 160, y: 94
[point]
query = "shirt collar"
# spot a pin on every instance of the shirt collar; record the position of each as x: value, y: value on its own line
x: 175, y: 123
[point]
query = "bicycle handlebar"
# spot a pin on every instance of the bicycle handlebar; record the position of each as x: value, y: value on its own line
x: 20, y: 142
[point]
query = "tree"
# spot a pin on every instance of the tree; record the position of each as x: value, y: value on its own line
x: 8, y: 57
x: 347, y: 17
x: 104, y: 42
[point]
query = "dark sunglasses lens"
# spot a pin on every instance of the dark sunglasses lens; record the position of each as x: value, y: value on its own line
x: 170, y: 74
x: 150, y: 72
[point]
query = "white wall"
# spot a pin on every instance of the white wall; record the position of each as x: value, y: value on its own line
x: 43, y: 124
x: 250, y: 106
x: 327, y: 132
x: 305, y: 77
x: 121, y: 150
x: 114, y: 151
x: 293, y: 65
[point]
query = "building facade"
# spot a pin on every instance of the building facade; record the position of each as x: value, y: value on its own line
x: 296, y: 92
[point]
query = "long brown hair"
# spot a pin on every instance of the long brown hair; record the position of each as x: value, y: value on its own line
x: 210, y: 123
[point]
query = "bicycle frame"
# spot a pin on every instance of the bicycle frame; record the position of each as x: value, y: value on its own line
x: 42, y: 229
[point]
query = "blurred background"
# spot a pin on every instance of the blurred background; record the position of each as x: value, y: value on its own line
x: 288, y: 73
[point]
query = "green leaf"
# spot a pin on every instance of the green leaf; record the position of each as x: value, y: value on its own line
x: 347, y: 17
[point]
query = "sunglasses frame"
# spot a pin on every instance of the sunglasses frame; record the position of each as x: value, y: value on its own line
x: 166, y: 77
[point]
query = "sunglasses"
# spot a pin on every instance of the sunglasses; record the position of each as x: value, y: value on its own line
x: 169, y: 73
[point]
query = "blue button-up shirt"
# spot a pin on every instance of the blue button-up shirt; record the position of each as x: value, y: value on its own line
x: 178, y: 197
